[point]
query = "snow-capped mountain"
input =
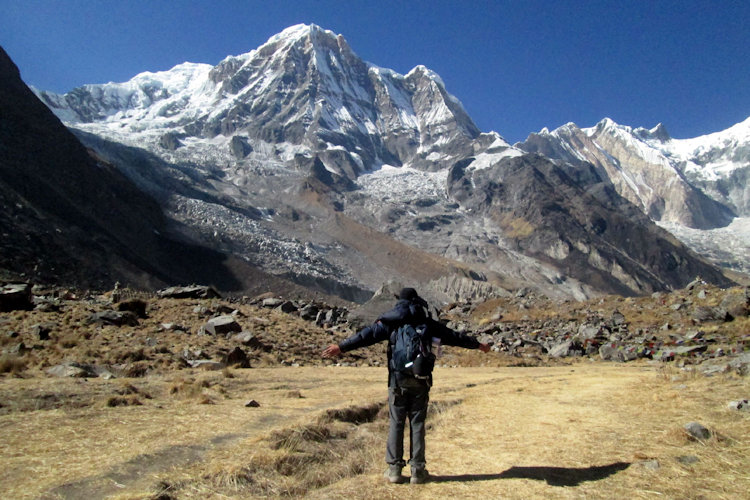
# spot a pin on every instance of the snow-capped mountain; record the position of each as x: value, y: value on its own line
x: 303, y: 159
x: 694, y: 187
x: 304, y: 88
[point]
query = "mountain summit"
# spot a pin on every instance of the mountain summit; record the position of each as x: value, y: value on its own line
x: 304, y: 87
x: 302, y: 159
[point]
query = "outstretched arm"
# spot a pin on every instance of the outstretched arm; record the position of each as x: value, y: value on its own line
x: 332, y: 351
x: 368, y: 336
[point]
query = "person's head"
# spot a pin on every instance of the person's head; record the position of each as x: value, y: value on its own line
x: 411, y: 295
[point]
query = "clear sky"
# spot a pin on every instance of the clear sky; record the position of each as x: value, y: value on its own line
x: 517, y: 66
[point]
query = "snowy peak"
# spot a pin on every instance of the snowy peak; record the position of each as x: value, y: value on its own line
x: 304, y: 88
x: 670, y: 179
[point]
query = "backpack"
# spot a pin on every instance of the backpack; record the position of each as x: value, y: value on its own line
x: 411, y: 352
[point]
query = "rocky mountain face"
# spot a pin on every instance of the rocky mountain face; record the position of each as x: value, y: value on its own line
x: 302, y: 159
x: 69, y: 217
x: 683, y: 184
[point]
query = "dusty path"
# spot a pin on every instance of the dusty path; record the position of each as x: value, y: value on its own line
x: 584, y: 431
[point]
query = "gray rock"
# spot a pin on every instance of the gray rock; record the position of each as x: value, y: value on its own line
x: 250, y: 340
x: 207, y: 364
x: 588, y: 332
x: 42, y: 330
x: 222, y: 325
x: 741, y: 364
x: 687, y: 459
x: 117, y: 318
x: 287, y: 307
x: 739, y: 405
x: 561, y: 350
x: 618, y: 319
x: 237, y: 357
x: 16, y: 296
x: 18, y: 349
x: 737, y: 303
x: 71, y: 369
x: 189, y: 292
x: 309, y: 312
x: 652, y: 464
x: 272, y: 302
x: 704, y: 314
x: 697, y: 431
x: 136, y: 306
x: 618, y: 352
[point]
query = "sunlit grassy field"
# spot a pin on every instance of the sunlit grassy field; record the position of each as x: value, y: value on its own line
x: 588, y: 430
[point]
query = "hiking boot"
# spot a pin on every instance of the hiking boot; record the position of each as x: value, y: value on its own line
x: 393, y: 474
x: 419, y: 476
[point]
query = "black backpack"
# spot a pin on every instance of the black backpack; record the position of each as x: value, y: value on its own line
x: 411, y: 352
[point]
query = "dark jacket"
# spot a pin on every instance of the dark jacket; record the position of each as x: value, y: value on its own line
x: 405, y: 312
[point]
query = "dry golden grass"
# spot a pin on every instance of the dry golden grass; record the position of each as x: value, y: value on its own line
x: 588, y: 430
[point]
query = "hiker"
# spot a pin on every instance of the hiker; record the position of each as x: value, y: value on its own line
x: 408, y: 394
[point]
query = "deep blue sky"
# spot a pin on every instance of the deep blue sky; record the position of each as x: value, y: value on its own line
x: 517, y: 66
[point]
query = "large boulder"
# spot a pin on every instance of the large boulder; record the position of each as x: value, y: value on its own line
x: 116, y: 318
x: 737, y: 302
x: 222, y: 325
x: 16, y: 296
x: 189, y: 292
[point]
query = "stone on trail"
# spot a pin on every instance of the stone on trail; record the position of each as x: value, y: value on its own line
x: 697, y: 431
x: 740, y: 405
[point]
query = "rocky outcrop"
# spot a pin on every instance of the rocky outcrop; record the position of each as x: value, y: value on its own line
x: 589, y: 233
x: 646, y: 179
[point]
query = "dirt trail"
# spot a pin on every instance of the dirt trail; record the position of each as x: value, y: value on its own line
x: 582, y: 431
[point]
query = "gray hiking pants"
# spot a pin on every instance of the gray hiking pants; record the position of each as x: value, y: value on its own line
x: 407, y: 402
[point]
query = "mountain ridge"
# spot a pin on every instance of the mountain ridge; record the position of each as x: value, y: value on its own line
x: 385, y: 150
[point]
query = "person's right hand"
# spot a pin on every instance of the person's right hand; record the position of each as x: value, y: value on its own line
x: 331, y: 351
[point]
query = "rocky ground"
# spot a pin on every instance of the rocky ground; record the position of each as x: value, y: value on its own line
x: 123, y: 333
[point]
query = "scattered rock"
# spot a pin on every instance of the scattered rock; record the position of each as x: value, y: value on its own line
x: 252, y: 404
x: 561, y: 349
x: 189, y: 292
x: 136, y: 306
x: 697, y: 431
x: 687, y: 459
x: 287, y: 307
x: 250, y: 340
x: 222, y: 325
x: 309, y: 312
x: 42, y: 330
x: 740, y: 405
x: 71, y: 369
x: 737, y: 303
x: 16, y: 296
x: 272, y: 302
x: 652, y: 464
x: 705, y: 314
x: 237, y: 357
x: 207, y: 364
x: 117, y: 318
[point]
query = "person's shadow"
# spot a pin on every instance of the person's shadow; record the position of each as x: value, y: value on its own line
x: 554, y: 476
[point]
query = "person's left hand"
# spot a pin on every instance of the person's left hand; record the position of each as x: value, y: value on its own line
x: 331, y: 351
